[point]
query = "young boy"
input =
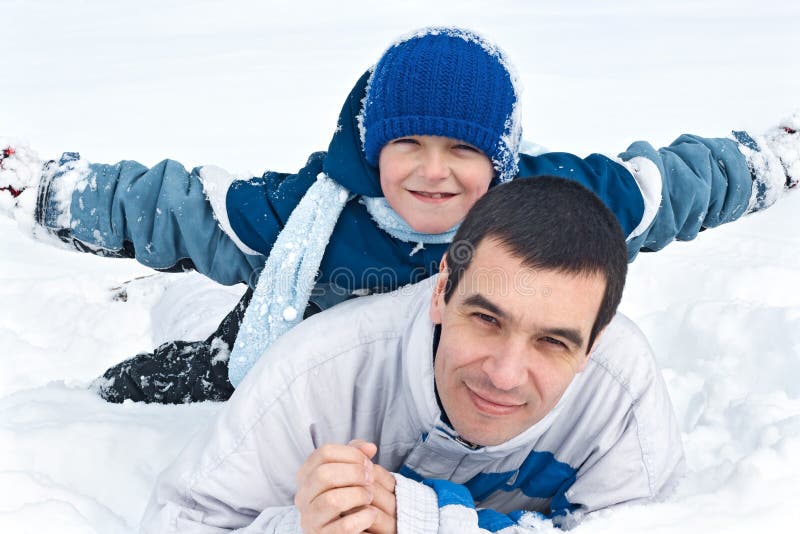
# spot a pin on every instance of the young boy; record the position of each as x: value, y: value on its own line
x: 420, y: 138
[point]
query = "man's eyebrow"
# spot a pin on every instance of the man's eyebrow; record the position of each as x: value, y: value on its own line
x: 570, y: 334
x: 480, y: 301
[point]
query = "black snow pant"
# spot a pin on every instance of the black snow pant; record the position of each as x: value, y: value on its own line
x: 178, y: 372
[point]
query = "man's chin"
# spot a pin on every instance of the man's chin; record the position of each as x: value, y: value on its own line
x: 482, y: 437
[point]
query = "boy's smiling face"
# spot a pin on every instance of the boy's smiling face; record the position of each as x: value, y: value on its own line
x: 432, y: 181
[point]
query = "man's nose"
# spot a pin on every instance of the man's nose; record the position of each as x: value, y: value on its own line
x: 506, y: 367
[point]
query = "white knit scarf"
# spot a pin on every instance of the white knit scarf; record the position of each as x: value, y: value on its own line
x: 284, y: 286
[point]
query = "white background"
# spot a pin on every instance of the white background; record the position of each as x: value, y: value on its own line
x: 251, y: 86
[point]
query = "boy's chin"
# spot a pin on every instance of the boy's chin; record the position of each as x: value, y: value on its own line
x: 434, y: 225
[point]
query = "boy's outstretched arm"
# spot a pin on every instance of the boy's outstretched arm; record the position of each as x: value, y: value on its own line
x: 673, y: 193
x: 166, y: 217
x: 708, y: 182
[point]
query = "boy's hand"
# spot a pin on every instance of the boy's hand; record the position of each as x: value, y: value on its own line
x: 20, y: 170
x: 334, y: 491
x: 5, y: 154
x: 784, y: 141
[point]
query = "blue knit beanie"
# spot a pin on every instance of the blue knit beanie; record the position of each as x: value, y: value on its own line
x: 449, y: 82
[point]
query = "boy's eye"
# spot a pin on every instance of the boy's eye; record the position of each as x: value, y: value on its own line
x: 405, y: 140
x: 469, y: 148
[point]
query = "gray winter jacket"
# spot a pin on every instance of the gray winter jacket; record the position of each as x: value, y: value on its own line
x: 365, y: 370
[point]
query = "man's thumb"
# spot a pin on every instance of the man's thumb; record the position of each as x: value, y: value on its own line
x: 368, y: 449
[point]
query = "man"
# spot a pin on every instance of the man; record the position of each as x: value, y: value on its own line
x: 499, y: 393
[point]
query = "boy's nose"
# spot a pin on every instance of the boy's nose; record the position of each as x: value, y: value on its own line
x: 434, y: 166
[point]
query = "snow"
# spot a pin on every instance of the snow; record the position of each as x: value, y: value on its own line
x: 289, y: 314
x: 256, y: 85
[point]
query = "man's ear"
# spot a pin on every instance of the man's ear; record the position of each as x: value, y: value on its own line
x: 437, y: 298
x: 588, y: 356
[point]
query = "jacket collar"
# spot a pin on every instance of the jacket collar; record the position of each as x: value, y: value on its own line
x: 345, y: 160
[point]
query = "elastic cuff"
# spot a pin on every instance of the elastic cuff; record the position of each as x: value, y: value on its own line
x: 769, y: 176
x: 216, y: 182
x: 417, y: 507
x: 55, y: 194
x: 648, y: 179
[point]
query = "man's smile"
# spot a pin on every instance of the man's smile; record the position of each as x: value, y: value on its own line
x: 490, y: 405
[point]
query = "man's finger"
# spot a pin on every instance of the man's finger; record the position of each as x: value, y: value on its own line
x: 330, y: 453
x: 383, y: 477
x: 386, y: 504
x: 383, y: 524
x: 329, y: 506
x: 359, y: 521
x: 331, y: 476
x: 368, y: 449
x: 383, y: 499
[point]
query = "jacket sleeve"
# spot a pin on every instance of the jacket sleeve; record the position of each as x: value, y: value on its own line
x: 166, y: 217
x: 238, y: 474
x: 660, y: 195
x: 434, y: 506
x: 705, y: 182
x: 227, y: 480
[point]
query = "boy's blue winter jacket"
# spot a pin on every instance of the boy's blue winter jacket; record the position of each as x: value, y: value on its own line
x: 173, y: 219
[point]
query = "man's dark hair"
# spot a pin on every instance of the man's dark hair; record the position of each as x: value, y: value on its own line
x: 549, y: 223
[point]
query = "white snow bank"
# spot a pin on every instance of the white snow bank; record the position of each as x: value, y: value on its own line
x: 70, y: 462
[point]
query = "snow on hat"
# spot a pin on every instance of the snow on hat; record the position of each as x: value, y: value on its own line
x: 449, y: 82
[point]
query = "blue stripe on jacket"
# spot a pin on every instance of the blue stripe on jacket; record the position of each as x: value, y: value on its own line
x: 539, y: 476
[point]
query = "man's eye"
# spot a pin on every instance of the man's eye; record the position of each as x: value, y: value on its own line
x: 553, y: 341
x: 488, y: 319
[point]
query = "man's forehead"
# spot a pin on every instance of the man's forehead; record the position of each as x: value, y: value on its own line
x: 543, y: 298
x: 496, y: 273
